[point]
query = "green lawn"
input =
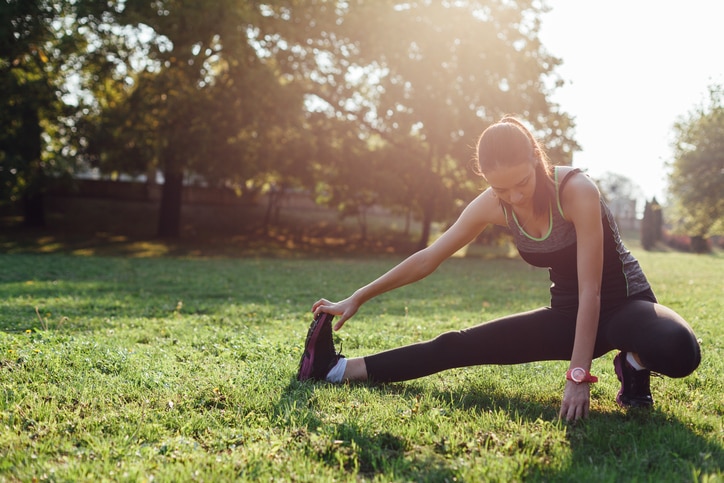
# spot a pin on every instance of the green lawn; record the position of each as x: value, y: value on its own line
x: 141, y: 368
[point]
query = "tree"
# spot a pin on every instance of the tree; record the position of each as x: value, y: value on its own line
x: 218, y: 94
x: 651, y: 224
x: 622, y: 195
x: 30, y: 57
x: 203, y: 102
x: 426, y: 78
x: 696, y: 180
x: 617, y: 186
x: 43, y: 44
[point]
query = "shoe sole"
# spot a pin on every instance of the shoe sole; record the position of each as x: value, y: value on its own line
x: 306, y: 363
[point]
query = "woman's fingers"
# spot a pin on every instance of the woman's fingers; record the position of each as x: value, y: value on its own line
x: 321, y: 305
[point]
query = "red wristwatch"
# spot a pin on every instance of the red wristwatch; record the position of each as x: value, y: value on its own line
x: 579, y: 375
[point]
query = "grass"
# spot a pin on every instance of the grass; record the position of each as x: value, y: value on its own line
x: 169, y: 365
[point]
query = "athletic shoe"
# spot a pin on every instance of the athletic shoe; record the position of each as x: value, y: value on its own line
x: 635, y: 389
x: 319, y: 356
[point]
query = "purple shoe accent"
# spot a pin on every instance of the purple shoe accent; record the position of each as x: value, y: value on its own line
x: 319, y: 354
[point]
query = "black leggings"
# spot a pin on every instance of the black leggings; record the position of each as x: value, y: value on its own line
x: 662, y: 339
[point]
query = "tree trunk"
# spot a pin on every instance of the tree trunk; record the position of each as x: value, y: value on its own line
x: 169, y: 215
x: 699, y: 244
x: 428, y: 212
x: 34, y: 210
x: 362, y: 220
x: 428, y: 204
x: 29, y: 146
x: 273, y: 206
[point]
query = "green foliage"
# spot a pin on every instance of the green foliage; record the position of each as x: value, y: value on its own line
x: 359, y: 101
x: 424, y: 78
x: 697, y: 177
x: 203, y: 103
x: 183, y: 369
x: 651, y: 224
x: 38, y: 49
x: 26, y: 91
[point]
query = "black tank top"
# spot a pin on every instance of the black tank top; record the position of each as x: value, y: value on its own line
x: 556, y: 250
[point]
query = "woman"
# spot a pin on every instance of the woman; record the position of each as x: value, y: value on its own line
x: 600, y: 298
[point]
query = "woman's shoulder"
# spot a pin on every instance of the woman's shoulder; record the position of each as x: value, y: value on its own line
x: 489, y: 202
x: 485, y: 209
x: 568, y: 175
x: 563, y: 171
x: 576, y: 189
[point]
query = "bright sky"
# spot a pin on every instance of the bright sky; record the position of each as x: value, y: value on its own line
x: 632, y: 68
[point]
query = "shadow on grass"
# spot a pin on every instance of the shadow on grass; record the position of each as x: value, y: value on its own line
x: 355, y: 449
x: 64, y: 282
x: 259, y: 243
x: 101, y: 227
x: 606, y: 447
x: 616, y: 444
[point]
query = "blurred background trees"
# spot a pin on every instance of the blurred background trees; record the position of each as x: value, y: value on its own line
x: 360, y: 104
x: 696, y: 180
x: 35, y: 44
x: 357, y: 102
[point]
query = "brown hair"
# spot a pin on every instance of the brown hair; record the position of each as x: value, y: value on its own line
x: 507, y: 143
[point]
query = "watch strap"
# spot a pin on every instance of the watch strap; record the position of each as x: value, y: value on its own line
x: 587, y: 376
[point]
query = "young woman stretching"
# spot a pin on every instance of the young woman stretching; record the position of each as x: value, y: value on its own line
x: 600, y: 298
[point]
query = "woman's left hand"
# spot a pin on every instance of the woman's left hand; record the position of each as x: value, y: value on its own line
x: 576, y: 401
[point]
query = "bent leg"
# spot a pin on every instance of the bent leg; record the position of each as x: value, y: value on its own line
x: 542, y: 334
x: 662, y: 339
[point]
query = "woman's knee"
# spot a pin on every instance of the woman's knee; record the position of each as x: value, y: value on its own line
x: 677, y: 351
x: 686, y: 351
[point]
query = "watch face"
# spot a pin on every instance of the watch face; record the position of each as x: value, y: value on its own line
x: 578, y: 374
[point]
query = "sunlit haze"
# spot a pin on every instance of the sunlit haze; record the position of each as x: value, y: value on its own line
x: 632, y: 68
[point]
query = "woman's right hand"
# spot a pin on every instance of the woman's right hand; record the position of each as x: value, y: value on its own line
x: 343, y: 309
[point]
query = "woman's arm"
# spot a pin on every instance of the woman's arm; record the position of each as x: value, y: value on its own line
x: 582, y: 206
x: 482, y: 211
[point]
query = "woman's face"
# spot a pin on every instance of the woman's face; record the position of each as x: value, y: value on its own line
x: 514, y: 185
